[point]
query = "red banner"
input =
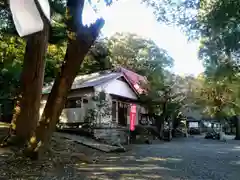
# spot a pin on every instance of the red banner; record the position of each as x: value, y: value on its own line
x: 133, y: 117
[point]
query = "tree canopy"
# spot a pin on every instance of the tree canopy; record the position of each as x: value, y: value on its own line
x: 216, y: 24
x: 138, y: 53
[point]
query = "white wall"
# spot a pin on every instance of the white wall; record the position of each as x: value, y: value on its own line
x: 73, y: 115
x: 76, y: 115
x: 117, y: 87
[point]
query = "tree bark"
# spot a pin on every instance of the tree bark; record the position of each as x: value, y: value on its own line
x: 26, y: 113
x: 31, y: 83
x: 75, y: 54
x: 76, y: 51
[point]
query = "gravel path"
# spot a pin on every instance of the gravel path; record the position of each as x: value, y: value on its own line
x: 181, y: 159
x: 192, y: 158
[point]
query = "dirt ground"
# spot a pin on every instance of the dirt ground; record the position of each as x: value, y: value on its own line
x: 58, y: 163
x: 193, y: 158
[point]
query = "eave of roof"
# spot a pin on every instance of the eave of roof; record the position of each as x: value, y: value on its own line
x: 95, y: 81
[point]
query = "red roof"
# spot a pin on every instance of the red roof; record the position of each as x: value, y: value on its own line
x: 135, y: 79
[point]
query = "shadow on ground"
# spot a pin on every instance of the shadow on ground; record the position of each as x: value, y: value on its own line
x: 188, y: 159
x: 63, y: 162
x: 129, y: 167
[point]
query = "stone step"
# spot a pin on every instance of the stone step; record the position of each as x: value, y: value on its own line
x: 92, y: 143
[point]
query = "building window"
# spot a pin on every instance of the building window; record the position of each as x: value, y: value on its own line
x: 74, y: 103
x: 85, y: 101
x: 114, y: 111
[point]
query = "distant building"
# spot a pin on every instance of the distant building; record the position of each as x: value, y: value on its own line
x: 121, y: 88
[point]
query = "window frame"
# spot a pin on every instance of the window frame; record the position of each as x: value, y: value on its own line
x: 76, y: 102
x: 114, y: 117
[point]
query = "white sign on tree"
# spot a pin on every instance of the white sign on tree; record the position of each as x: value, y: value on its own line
x: 26, y: 16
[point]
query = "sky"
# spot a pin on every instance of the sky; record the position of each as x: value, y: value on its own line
x: 134, y: 17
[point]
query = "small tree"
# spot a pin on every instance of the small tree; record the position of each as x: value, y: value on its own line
x: 164, y: 98
x: 101, y: 110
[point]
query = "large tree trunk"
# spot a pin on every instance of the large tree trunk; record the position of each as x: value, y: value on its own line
x: 75, y: 54
x: 31, y: 83
x: 26, y: 113
x: 77, y: 49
